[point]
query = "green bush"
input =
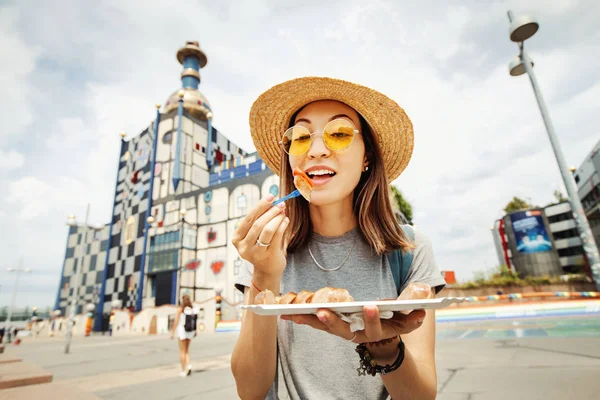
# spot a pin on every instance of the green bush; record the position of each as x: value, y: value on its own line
x: 503, y: 277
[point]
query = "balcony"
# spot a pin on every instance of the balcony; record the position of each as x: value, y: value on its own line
x: 557, y: 209
x: 569, y: 242
x: 578, y: 260
x: 562, y: 226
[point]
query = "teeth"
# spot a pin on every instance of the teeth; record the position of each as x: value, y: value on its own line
x: 321, y: 172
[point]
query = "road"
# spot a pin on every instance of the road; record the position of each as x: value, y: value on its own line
x: 550, y: 358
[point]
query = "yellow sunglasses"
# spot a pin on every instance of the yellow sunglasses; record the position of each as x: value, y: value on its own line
x: 338, y: 135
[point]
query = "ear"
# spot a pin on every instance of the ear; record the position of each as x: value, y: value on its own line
x: 365, y: 164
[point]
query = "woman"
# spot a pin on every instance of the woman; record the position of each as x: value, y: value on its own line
x: 185, y: 333
x: 352, y: 141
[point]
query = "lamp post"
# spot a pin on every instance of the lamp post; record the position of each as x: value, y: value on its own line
x: 520, y: 30
x: 18, y: 271
x: 73, y: 222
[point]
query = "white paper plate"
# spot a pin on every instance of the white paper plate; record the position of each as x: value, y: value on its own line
x: 352, y: 307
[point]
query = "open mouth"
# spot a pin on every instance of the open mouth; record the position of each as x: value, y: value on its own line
x: 318, y: 175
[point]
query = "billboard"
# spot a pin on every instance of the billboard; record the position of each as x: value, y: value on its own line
x: 530, y: 232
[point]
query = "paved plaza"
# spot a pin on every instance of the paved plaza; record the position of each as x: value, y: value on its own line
x: 541, y: 358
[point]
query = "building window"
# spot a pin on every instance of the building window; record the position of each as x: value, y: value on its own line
x: 93, y: 261
x: 167, y: 138
x: 164, y: 252
x: 130, y: 230
x: 189, y: 238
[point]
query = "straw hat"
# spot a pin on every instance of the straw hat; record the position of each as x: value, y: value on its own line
x: 271, y: 114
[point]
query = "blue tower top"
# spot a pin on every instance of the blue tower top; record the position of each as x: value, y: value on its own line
x: 192, y: 58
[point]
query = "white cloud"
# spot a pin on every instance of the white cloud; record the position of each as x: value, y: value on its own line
x: 11, y: 160
x: 18, y: 61
x: 479, y: 138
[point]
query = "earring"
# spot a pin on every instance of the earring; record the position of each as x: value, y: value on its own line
x: 366, y: 169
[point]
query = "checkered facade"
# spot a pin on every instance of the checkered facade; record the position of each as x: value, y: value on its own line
x: 93, y: 245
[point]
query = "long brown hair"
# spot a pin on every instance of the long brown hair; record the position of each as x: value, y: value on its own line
x: 186, y: 301
x: 377, y: 222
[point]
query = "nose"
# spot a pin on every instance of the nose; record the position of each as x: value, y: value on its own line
x: 318, y: 149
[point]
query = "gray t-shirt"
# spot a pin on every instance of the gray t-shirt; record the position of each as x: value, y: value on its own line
x: 316, y: 365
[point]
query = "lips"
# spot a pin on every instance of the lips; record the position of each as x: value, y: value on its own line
x: 320, y: 174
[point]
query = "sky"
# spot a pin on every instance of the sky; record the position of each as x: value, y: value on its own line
x: 74, y: 74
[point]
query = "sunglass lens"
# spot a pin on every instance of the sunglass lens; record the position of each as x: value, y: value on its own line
x: 338, y: 134
x: 296, y: 140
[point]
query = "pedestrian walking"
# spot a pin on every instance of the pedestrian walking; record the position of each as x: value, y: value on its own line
x: 184, y: 327
x: 351, y: 142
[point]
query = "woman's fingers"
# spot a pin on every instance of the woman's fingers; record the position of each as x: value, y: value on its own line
x: 261, y: 222
x: 403, y: 324
x: 277, y: 240
x: 334, y: 324
x: 309, y: 320
x: 268, y: 232
x: 252, y: 216
x: 373, y: 328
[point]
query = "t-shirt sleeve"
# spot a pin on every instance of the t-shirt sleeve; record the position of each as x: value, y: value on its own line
x: 244, y: 278
x: 424, y: 268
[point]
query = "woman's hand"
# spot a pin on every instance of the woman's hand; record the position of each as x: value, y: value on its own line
x: 264, y: 224
x: 376, y: 329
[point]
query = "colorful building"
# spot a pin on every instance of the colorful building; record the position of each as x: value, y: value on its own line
x: 540, y: 241
x: 181, y: 189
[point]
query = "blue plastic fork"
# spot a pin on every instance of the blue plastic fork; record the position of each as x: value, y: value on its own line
x: 295, y: 193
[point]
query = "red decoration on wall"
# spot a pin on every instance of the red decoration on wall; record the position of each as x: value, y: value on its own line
x: 134, y: 177
x: 219, y: 157
x: 217, y: 266
x: 192, y: 265
x: 211, y: 236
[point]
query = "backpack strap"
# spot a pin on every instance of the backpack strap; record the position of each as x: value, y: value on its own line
x: 400, y: 261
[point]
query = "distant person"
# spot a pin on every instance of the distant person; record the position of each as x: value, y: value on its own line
x: 185, y: 327
x: 2, y: 331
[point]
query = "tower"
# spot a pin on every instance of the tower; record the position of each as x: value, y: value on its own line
x: 192, y: 58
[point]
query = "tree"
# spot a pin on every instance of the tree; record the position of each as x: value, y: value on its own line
x: 560, y: 198
x: 400, y: 204
x: 517, y: 204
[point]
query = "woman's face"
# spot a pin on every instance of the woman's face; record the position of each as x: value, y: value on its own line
x: 347, y: 164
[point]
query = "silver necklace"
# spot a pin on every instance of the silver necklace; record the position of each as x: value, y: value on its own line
x: 331, y: 269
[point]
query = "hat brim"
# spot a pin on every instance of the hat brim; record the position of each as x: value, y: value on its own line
x: 271, y: 114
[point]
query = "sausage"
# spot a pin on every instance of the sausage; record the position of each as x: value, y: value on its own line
x: 287, y: 298
x: 416, y: 291
x: 303, y: 297
x: 331, y: 295
x: 265, y: 297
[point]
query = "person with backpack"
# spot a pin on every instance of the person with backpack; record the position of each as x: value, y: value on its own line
x: 185, y: 328
x: 352, y: 142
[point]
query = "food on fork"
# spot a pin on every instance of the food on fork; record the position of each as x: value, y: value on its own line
x: 303, y: 183
x: 331, y: 295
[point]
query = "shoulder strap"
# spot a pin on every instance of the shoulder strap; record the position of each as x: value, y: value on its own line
x: 400, y: 261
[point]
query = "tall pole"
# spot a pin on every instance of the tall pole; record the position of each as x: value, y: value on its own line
x: 583, y: 226
x: 13, y: 298
x: 76, y: 286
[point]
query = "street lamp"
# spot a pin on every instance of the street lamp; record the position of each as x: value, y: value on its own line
x: 72, y: 222
x: 521, y: 29
x: 18, y: 271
